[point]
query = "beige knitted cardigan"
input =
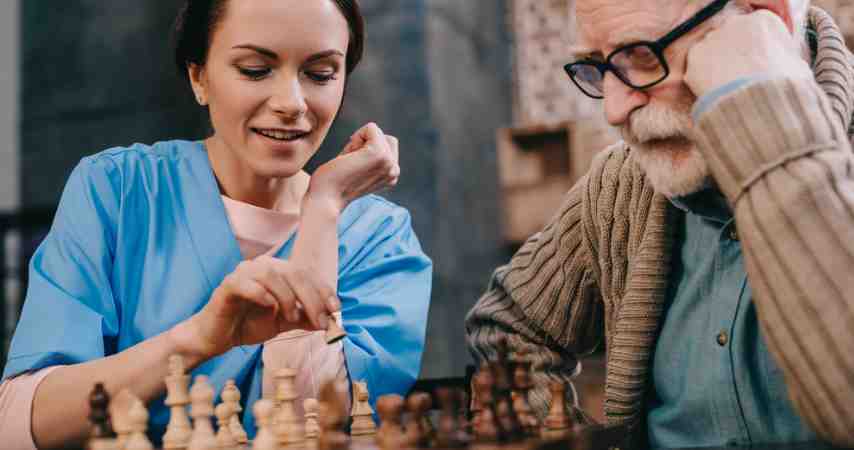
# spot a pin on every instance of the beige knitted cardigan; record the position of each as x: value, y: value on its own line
x: 780, y: 152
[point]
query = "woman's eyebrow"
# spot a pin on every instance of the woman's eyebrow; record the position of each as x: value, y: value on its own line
x: 324, y: 54
x: 264, y: 51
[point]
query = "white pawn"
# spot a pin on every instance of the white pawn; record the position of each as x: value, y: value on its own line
x: 138, y: 418
x: 201, y: 410
x: 231, y: 396
x: 363, y: 415
x: 312, y: 428
x: 265, y: 439
x: 223, y: 435
x: 179, y: 430
x: 289, y: 427
x: 120, y: 407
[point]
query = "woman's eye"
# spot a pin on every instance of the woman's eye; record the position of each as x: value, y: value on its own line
x: 254, y: 73
x: 321, y: 77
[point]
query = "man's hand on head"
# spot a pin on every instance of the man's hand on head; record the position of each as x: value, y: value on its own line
x: 757, y: 44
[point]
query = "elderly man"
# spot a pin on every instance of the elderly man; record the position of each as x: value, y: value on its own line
x: 713, y: 249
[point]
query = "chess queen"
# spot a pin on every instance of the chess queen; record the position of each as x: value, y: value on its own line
x: 210, y: 249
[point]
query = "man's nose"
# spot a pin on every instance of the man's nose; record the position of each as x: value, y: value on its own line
x: 288, y: 99
x: 620, y: 99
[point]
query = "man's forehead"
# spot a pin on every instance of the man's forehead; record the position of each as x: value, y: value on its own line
x: 610, y: 23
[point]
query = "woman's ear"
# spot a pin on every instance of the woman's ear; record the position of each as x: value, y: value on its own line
x: 780, y: 8
x: 198, y: 80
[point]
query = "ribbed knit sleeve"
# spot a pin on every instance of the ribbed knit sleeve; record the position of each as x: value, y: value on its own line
x: 544, y: 303
x: 780, y: 152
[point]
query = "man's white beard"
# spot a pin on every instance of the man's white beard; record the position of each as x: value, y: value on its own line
x: 660, y: 139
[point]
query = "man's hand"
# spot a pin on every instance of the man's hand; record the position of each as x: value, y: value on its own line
x: 746, y: 45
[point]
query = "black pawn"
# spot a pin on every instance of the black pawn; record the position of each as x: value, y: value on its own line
x: 99, y: 415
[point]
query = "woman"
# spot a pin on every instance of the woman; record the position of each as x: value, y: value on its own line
x: 210, y: 249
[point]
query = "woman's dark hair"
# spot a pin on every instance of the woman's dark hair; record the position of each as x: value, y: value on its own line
x: 198, y: 20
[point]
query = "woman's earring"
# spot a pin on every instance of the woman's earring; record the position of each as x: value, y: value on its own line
x: 201, y: 100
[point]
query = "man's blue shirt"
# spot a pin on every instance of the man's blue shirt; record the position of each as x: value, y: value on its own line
x: 714, y: 381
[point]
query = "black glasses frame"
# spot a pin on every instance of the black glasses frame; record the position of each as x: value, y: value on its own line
x: 657, y: 48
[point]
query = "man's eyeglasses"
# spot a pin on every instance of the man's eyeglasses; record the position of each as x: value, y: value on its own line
x: 639, y: 65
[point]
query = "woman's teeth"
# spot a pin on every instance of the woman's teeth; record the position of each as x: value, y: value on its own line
x: 282, y: 135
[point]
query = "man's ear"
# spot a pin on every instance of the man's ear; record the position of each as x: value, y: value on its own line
x: 780, y: 8
x: 198, y: 80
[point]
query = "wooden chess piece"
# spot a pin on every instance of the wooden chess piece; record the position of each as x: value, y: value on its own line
x: 390, y: 433
x: 201, y: 410
x: 312, y: 427
x: 288, y: 427
x: 448, y: 433
x: 332, y: 418
x: 231, y: 396
x: 101, y: 434
x: 120, y: 407
x: 223, y: 435
x: 335, y: 332
x: 363, y: 416
x: 557, y: 423
x: 485, y: 427
x: 522, y: 384
x: 265, y: 439
x: 418, y: 433
x: 138, y: 417
x: 179, y: 430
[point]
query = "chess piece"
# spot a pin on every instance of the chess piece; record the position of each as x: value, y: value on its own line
x: 99, y: 415
x: 119, y: 408
x: 101, y: 435
x: 363, y: 415
x: 335, y: 332
x: 201, y: 410
x: 448, y: 433
x: 521, y: 386
x: 418, y: 429
x: 390, y: 433
x: 502, y: 370
x: 312, y: 427
x: 231, y: 396
x: 288, y: 426
x: 332, y: 418
x: 179, y: 430
x: 223, y: 434
x: 138, y: 417
x: 485, y: 426
x: 265, y: 439
x: 557, y: 423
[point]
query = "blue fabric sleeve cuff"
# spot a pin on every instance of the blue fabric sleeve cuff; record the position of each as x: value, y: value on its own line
x: 705, y: 102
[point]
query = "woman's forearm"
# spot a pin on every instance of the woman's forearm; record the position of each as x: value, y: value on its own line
x: 316, y: 246
x: 61, y: 401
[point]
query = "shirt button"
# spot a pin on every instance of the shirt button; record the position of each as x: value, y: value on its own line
x: 733, y: 233
x: 723, y: 338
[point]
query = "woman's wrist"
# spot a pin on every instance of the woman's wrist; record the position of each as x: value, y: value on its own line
x: 322, y: 203
x: 186, y: 339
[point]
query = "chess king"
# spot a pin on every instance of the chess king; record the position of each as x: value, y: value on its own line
x: 710, y: 251
x: 224, y: 251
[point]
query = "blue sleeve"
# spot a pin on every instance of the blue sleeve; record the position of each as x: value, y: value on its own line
x: 385, y: 293
x: 69, y: 314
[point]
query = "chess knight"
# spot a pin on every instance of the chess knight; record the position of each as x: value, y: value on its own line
x: 710, y: 251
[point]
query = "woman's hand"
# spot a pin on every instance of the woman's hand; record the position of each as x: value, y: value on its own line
x: 368, y: 163
x: 260, y: 299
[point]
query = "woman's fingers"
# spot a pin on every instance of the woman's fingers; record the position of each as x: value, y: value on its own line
x: 275, y: 282
x: 311, y: 294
